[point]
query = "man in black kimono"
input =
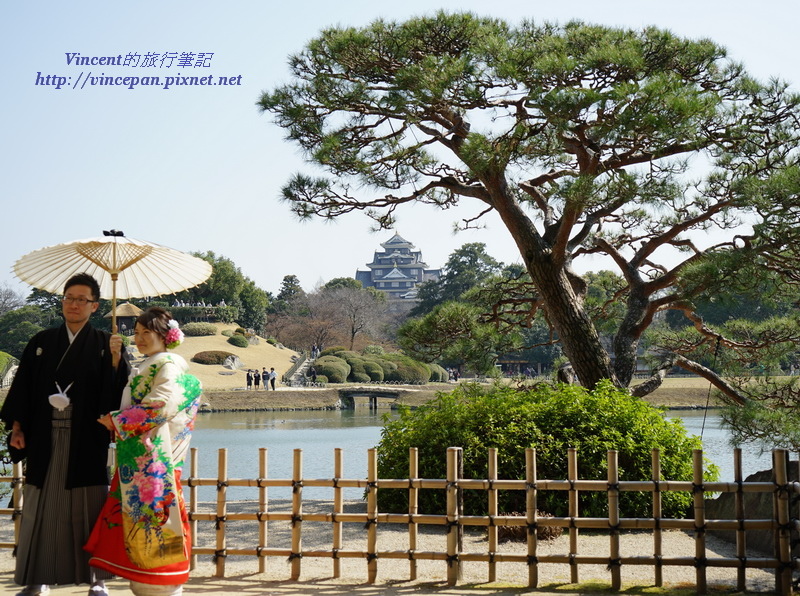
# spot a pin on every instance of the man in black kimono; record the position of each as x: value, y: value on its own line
x: 67, y: 378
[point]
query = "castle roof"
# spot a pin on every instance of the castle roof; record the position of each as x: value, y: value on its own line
x: 395, y: 273
x: 396, y: 241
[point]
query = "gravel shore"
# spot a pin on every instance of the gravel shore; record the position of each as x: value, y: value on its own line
x: 242, y: 572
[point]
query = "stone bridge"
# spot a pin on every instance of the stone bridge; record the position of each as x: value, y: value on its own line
x: 347, y: 396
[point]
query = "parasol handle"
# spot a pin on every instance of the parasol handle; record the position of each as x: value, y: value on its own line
x: 114, y: 277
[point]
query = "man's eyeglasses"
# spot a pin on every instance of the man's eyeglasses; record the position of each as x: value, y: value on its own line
x: 81, y: 301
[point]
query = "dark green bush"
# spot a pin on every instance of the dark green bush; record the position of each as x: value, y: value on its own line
x: 373, y: 370
x: 408, y: 370
x: 388, y: 367
x: 335, y: 369
x: 550, y: 419
x: 211, y: 357
x: 240, y: 341
x: 438, y: 374
x: 356, y: 361
x: 226, y: 314
x: 332, y: 351
x: 199, y: 329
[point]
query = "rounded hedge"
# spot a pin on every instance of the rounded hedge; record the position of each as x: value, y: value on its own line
x: 332, y: 351
x: 199, y: 329
x: 408, y: 370
x: 438, y: 374
x: 359, y: 377
x: 373, y: 370
x: 211, y: 357
x: 550, y: 419
x: 336, y: 370
x: 240, y: 341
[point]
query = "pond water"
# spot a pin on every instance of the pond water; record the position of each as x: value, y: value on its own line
x: 319, y: 433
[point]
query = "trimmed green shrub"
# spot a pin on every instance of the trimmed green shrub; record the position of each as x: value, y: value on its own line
x: 211, y: 357
x: 199, y: 329
x: 226, y: 314
x: 388, y: 368
x: 373, y: 350
x: 356, y: 362
x: 240, y: 331
x: 550, y: 419
x: 373, y: 370
x: 272, y: 341
x: 408, y: 370
x: 240, y: 341
x: 228, y: 333
x: 438, y: 374
x: 332, y: 351
x: 322, y: 379
x: 5, y: 358
x: 336, y: 370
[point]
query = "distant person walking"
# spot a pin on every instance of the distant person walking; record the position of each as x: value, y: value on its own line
x: 265, y: 377
x: 249, y: 378
x: 256, y: 379
x: 272, y: 376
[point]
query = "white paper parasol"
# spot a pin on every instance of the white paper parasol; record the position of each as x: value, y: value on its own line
x: 124, y: 267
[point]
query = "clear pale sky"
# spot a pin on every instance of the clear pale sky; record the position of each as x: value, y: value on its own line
x: 199, y: 168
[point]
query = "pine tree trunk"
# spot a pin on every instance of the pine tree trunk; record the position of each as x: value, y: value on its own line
x: 579, y: 338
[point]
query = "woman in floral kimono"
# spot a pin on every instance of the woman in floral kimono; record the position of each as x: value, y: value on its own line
x: 142, y: 533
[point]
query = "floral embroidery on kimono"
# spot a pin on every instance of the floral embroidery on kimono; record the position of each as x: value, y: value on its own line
x: 153, y: 438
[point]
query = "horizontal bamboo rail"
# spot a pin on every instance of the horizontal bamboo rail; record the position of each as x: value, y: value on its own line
x: 781, y: 523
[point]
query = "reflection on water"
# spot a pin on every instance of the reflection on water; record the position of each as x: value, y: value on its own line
x: 716, y: 446
x: 318, y: 433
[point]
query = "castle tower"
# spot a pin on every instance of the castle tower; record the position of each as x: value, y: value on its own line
x: 397, y: 270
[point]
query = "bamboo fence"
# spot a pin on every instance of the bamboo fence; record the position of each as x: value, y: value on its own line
x: 781, y: 524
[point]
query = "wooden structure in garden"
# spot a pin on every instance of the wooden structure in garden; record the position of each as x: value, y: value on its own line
x: 782, y: 523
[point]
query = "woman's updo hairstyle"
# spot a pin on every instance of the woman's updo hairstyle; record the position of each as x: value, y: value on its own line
x: 156, y: 319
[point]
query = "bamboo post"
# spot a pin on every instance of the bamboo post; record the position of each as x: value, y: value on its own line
x: 263, y: 506
x: 452, y: 515
x: 492, y: 529
x: 572, y: 476
x: 222, y: 511
x: 699, y: 521
x: 372, y: 515
x: 17, y: 499
x: 531, y: 514
x: 460, y: 498
x: 741, y: 536
x: 657, y: 532
x: 613, y: 519
x: 783, y: 576
x: 193, y: 473
x: 297, y: 513
x: 413, y: 509
x: 338, y: 508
